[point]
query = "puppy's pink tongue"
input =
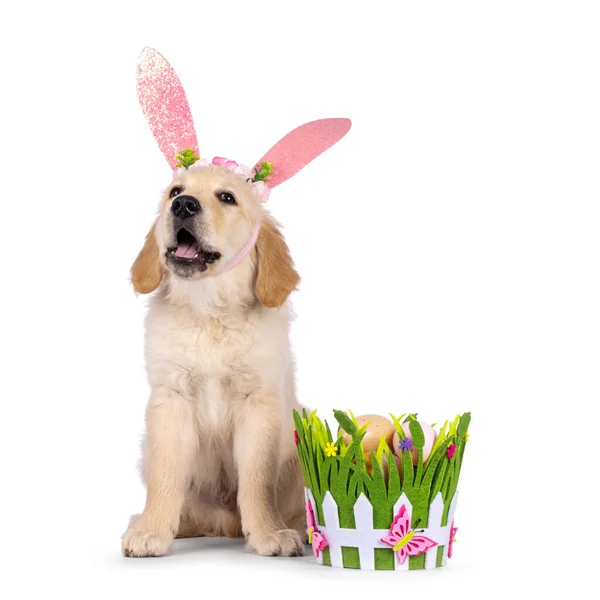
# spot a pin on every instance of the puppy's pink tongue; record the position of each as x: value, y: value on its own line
x: 186, y: 250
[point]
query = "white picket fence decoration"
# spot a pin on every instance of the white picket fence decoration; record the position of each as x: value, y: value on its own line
x: 366, y: 539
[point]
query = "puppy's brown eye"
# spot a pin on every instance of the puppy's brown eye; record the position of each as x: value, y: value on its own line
x: 226, y: 197
x: 175, y: 192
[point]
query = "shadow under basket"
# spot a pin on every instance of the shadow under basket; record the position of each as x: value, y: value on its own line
x: 368, y: 512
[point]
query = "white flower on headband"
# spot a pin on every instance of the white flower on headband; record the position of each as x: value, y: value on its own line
x: 188, y: 159
x: 261, y: 190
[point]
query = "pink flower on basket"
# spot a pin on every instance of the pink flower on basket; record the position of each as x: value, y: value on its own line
x: 453, y: 531
x: 404, y: 540
x: 451, y: 450
x: 315, y: 537
x: 319, y: 543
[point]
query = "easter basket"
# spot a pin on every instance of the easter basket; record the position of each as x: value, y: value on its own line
x: 380, y: 494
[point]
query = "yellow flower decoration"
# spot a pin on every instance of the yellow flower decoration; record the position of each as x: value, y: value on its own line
x: 466, y: 436
x: 330, y: 449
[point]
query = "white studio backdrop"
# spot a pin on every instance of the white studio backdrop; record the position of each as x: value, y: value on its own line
x: 448, y: 248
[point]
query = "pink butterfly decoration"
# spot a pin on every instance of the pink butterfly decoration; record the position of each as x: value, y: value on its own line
x: 403, y: 539
x: 315, y: 537
x: 453, y: 531
x: 318, y: 543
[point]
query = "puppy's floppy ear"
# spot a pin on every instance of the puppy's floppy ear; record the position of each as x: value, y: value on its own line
x: 277, y: 278
x: 146, y: 271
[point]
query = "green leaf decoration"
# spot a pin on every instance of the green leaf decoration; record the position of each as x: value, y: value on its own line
x: 434, y: 461
x: 263, y: 172
x: 345, y: 422
x: 439, y: 479
x: 329, y: 436
x: 398, y: 426
x: 439, y: 440
x: 463, y: 425
x: 342, y: 446
x: 419, y: 472
x: 378, y: 478
x: 381, y: 448
x: 394, y: 486
x: 325, y: 470
x: 186, y: 158
x: 416, y: 432
x: 453, y: 425
x: 408, y: 471
x: 364, y: 428
x: 298, y: 423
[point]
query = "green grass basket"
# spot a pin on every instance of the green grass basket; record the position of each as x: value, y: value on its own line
x: 357, y: 517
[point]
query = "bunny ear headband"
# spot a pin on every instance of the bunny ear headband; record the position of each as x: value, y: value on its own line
x: 167, y: 111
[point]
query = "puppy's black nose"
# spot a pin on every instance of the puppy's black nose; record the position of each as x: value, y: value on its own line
x: 185, y: 206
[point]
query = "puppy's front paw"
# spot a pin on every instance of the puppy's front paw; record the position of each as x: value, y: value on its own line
x: 285, y: 542
x: 140, y: 541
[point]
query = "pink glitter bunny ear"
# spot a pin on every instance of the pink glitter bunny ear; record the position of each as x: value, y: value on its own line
x: 301, y: 146
x: 165, y: 105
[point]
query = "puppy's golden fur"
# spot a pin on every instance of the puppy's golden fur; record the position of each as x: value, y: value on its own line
x: 219, y: 454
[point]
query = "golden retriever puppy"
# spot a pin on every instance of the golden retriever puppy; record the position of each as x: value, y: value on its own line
x: 219, y: 456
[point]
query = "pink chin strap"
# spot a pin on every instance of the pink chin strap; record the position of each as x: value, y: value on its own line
x: 245, y: 250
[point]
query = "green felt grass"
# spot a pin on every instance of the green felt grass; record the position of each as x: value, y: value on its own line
x: 416, y: 562
x: 384, y: 559
x: 350, y: 557
x: 440, y: 556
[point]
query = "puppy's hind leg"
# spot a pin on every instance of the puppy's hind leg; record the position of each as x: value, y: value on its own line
x: 190, y: 529
x: 200, y: 519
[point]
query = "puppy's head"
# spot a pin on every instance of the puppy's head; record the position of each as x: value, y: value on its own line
x: 206, y: 218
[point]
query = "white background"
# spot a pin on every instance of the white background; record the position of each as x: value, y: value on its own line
x: 448, y: 247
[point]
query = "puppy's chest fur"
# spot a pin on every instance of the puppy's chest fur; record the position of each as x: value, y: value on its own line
x: 198, y: 357
x: 215, y: 362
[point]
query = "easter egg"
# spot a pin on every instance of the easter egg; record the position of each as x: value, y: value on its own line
x: 430, y: 436
x: 398, y: 462
x: 378, y: 426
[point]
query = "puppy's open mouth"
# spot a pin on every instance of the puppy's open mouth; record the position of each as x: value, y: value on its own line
x: 189, y: 252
